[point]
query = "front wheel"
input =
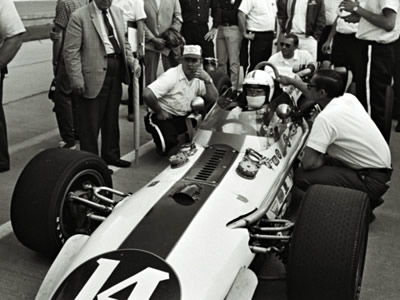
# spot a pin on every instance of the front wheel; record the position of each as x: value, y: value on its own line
x: 42, y: 215
x: 327, y: 251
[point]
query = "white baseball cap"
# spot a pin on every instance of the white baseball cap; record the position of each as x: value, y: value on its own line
x: 193, y: 51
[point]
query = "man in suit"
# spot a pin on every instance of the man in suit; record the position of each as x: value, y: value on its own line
x: 161, y: 15
x: 96, y: 54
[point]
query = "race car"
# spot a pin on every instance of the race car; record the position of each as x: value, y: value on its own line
x: 198, y: 229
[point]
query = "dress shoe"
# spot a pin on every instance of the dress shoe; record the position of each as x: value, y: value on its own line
x: 110, y: 171
x: 119, y: 163
x: 397, y: 128
x: 131, y: 118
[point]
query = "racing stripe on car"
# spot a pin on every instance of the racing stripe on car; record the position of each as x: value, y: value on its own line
x: 170, y: 214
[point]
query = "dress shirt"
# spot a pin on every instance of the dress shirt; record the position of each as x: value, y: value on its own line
x: 260, y: 14
x: 103, y: 30
x: 10, y: 22
x: 197, y: 11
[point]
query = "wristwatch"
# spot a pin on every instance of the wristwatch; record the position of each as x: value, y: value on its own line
x: 355, y: 8
x: 209, y: 80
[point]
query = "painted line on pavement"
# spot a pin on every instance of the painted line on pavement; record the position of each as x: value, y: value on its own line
x: 6, y: 228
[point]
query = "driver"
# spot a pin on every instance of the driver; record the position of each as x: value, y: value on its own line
x: 170, y: 96
x: 345, y: 148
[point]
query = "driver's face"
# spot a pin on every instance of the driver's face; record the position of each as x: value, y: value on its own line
x: 255, y: 91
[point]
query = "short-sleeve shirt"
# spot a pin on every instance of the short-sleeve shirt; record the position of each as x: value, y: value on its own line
x: 133, y: 10
x: 260, y: 14
x: 345, y: 131
x: 331, y: 7
x: 10, y: 22
x: 300, y: 57
x: 370, y: 32
x: 175, y: 92
x: 64, y: 9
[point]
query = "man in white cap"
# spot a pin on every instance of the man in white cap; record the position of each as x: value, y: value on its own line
x: 170, y: 97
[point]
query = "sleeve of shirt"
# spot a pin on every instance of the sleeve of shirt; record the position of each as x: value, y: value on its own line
x: 202, y: 88
x: 10, y: 21
x: 216, y: 13
x: 139, y: 10
x: 392, y: 4
x: 322, y: 135
x: 245, y: 6
x: 62, y: 16
x: 162, y: 85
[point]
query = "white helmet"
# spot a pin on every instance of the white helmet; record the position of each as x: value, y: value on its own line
x: 262, y: 79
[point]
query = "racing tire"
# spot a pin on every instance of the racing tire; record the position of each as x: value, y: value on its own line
x: 42, y: 217
x: 221, y: 81
x: 328, y: 246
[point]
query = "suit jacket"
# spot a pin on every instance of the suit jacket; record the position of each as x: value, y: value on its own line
x: 84, y: 52
x: 160, y: 19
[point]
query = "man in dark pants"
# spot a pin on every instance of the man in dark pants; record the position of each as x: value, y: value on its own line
x: 96, y: 54
x: 195, y: 30
x: 345, y: 148
x: 378, y: 20
x: 11, y: 29
x: 257, y: 24
x: 170, y: 97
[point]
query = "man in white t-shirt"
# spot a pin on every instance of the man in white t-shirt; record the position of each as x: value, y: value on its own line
x: 290, y: 56
x: 379, y: 27
x: 345, y: 148
x: 257, y: 25
x: 170, y: 96
x: 11, y: 29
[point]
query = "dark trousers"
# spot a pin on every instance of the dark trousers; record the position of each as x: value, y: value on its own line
x: 352, y: 53
x: 260, y: 50
x: 322, y: 39
x: 194, y: 35
x: 102, y: 113
x: 371, y: 181
x: 396, y: 79
x: 4, y: 156
x: 382, y: 64
x: 151, y: 59
x: 65, y: 106
x: 165, y: 132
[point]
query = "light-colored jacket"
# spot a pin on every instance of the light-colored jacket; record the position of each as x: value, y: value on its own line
x: 160, y: 19
x: 84, y: 52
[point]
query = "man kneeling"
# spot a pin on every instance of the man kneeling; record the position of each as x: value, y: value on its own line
x: 170, y: 96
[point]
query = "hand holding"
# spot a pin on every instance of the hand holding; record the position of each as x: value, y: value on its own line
x: 249, y: 36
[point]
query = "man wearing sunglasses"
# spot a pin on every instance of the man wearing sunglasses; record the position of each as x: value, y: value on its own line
x: 290, y: 56
x: 345, y: 148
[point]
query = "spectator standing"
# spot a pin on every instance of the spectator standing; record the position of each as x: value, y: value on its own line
x: 289, y: 56
x: 306, y: 19
x: 345, y: 148
x: 96, y: 53
x: 342, y: 44
x: 380, y: 27
x: 134, y: 17
x: 161, y: 15
x: 257, y: 22
x: 229, y: 40
x: 170, y: 97
x: 65, y: 102
x: 331, y: 7
x: 11, y: 29
x: 195, y: 29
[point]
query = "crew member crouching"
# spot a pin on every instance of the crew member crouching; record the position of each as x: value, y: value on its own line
x: 170, y: 97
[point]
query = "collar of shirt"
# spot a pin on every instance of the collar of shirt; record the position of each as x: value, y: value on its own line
x: 103, y: 29
x: 286, y: 60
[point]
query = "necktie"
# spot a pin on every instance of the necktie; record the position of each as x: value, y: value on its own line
x: 111, y: 36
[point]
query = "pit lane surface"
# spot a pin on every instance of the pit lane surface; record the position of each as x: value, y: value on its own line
x: 32, y: 128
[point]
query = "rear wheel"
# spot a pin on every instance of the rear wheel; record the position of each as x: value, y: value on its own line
x: 327, y: 251
x: 42, y: 215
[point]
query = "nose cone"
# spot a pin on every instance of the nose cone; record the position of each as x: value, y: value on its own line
x: 283, y: 111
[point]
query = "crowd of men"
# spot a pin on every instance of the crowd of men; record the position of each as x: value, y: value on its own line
x: 99, y: 44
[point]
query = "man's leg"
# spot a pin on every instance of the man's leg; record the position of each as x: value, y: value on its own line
x: 151, y: 60
x: 222, y: 49
x: 234, y: 40
x: 4, y: 156
x: 261, y: 48
x: 109, y: 111
x: 89, y: 124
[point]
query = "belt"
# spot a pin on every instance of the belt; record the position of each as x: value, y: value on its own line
x: 228, y: 24
x: 113, y: 55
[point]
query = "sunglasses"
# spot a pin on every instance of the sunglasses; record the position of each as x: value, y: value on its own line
x: 310, y: 86
x: 285, y: 45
